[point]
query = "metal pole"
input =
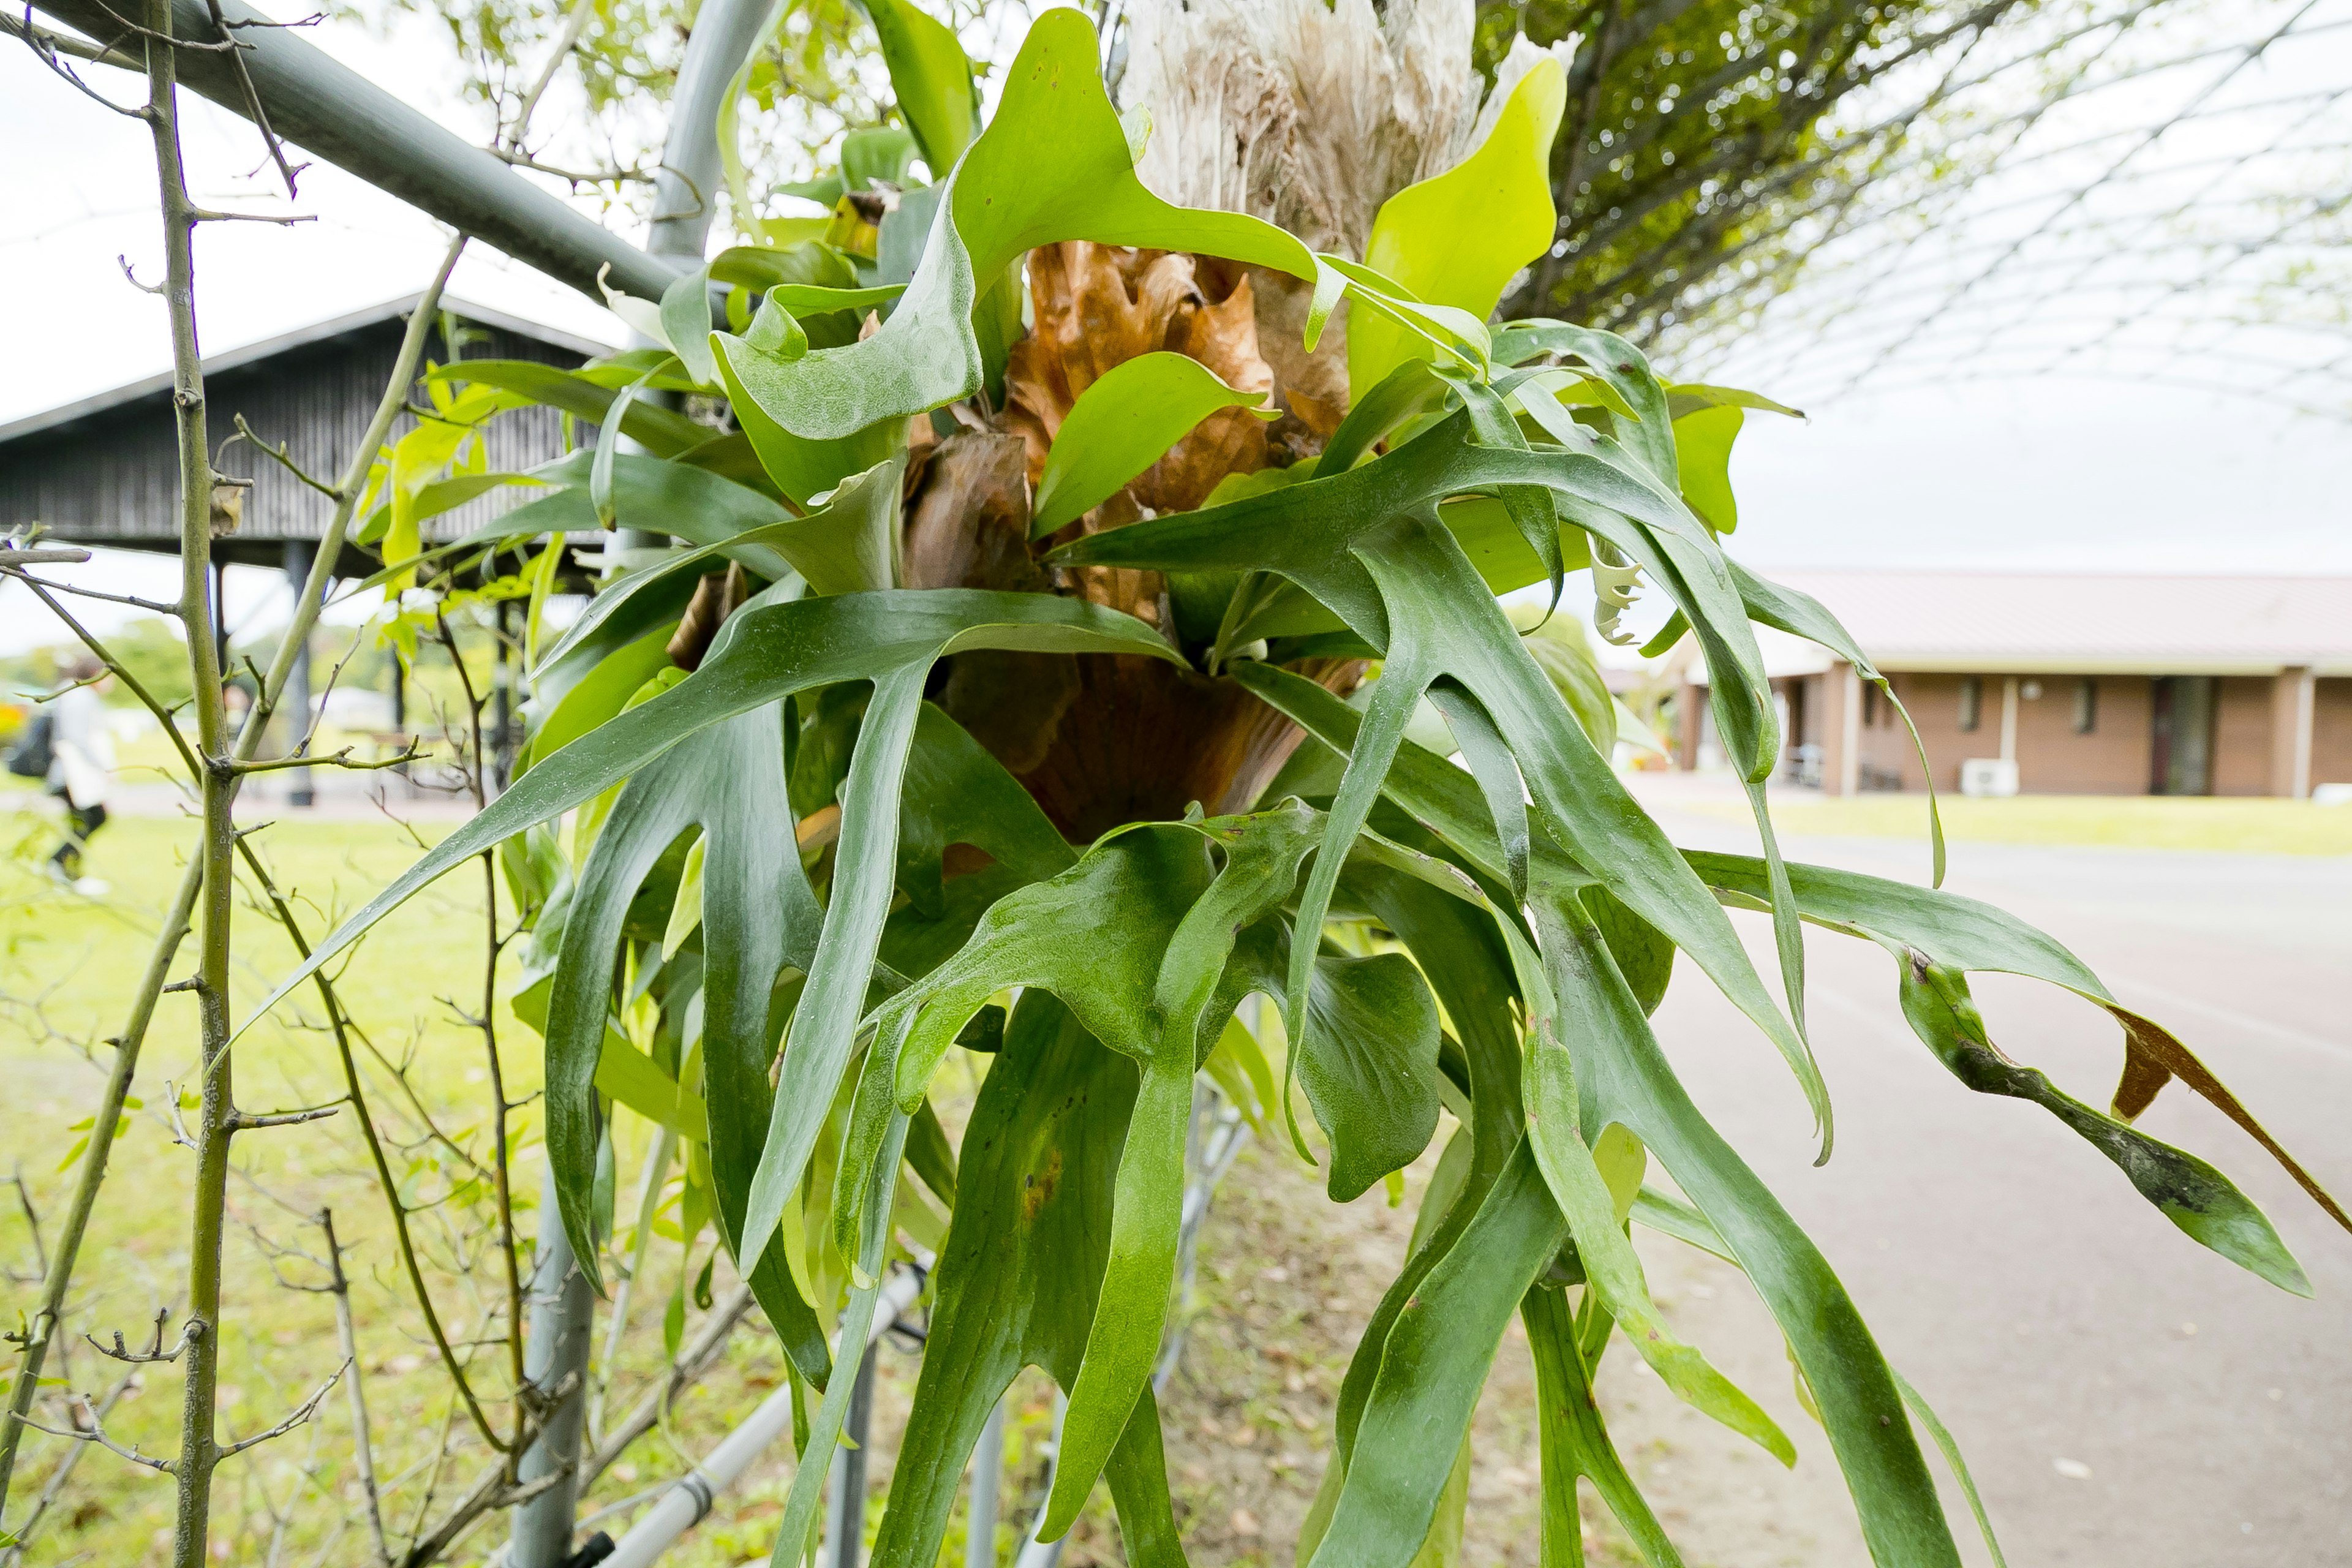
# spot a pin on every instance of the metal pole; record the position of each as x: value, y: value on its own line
x: 1033, y: 1552
x: 502, y: 703
x: 987, y: 1486
x: 845, y: 1509
x: 296, y: 702
x: 337, y: 114
x: 555, y: 1350
x: 685, y: 192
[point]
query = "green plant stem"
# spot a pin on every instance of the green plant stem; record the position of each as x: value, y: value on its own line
x: 199, y: 1438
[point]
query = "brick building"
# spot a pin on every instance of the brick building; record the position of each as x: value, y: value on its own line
x: 2066, y: 683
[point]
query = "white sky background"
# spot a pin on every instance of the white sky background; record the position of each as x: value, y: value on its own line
x: 1975, y: 463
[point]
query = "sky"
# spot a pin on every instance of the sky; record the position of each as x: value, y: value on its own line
x: 2028, y: 473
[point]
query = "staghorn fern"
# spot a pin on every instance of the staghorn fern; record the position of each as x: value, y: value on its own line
x: 943, y: 744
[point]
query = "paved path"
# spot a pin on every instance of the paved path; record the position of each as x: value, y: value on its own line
x: 2047, y: 1311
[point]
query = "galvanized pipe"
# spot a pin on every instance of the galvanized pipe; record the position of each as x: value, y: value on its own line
x: 685, y: 192
x: 555, y: 1351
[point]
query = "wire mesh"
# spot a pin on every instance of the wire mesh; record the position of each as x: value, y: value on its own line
x: 2151, y: 190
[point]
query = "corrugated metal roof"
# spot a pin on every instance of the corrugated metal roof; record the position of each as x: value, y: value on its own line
x: 285, y: 342
x: 2089, y: 623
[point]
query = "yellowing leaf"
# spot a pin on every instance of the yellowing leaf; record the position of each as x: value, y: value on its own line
x: 1458, y: 238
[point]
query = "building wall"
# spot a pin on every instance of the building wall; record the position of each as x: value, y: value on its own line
x: 2117, y: 756
x: 2331, y: 730
x: 2114, y: 758
x: 2243, y: 715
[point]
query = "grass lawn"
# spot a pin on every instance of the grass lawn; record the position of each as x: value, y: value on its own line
x: 2245, y: 826
x: 1286, y: 1279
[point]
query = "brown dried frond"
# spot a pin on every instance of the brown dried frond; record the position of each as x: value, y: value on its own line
x: 1096, y: 307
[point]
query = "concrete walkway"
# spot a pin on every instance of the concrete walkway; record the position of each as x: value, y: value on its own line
x: 2124, y: 1397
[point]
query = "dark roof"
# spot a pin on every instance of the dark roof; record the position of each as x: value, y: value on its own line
x: 104, y: 470
x: 286, y: 343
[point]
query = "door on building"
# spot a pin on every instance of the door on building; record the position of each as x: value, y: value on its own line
x: 2183, y: 754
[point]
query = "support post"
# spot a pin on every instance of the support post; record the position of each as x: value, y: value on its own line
x: 844, y: 1505
x: 685, y: 192
x: 2294, y: 702
x: 556, y: 1348
x: 220, y: 619
x: 2009, y: 719
x: 987, y: 1484
x: 1842, y: 772
x: 296, y: 704
x: 502, y: 703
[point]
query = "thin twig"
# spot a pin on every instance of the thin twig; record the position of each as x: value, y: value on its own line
x: 96, y: 1433
x: 342, y: 759
x: 244, y: 1122
x: 492, y: 1490
x: 302, y: 1412
x: 245, y: 431
x: 51, y: 1490
x: 47, y: 46
x: 477, y: 778
x: 575, y: 176
x: 156, y: 607
x: 206, y: 215
x: 362, y: 1450
x: 155, y: 1351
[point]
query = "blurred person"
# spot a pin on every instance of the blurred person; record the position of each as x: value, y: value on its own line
x: 81, y: 770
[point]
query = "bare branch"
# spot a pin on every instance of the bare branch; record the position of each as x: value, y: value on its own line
x: 157, y: 606
x: 243, y: 1122
x: 342, y: 759
x: 95, y: 1432
x: 246, y: 432
x: 48, y: 47
x: 576, y: 176
x: 155, y: 1351
x: 205, y: 214
x: 302, y: 1413
x: 491, y: 1492
x: 253, y: 103
x: 121, y: 672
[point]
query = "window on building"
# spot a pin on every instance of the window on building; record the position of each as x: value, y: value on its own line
x: 1869, y: 704
x: 1971, y: 701
x: 2086, y: 706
